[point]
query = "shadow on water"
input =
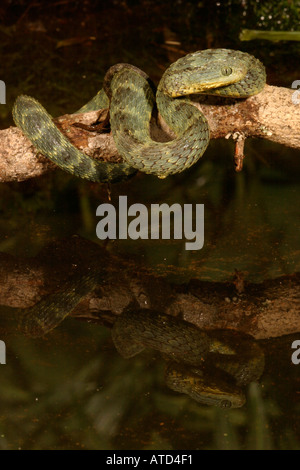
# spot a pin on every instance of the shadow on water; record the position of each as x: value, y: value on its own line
x: 87, y: 364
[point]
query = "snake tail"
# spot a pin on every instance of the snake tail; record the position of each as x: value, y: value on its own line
x: 35, y: 122
x: 51, y: 310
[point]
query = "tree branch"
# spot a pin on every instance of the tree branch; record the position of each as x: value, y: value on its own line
x: 270, y: 115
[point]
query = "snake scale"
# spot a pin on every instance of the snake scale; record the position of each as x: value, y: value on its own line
x: 131, y: 99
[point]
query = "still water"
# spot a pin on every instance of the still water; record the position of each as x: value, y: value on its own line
x: 65, y: 385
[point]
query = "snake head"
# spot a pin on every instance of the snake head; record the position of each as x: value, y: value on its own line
x: 206, y: 387
x: 202, y: 71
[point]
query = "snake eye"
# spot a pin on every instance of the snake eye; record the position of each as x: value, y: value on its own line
x: 226, y: 70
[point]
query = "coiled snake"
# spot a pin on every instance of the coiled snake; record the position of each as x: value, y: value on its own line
x: 128, y: 93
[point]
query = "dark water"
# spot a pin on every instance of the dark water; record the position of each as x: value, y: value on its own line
x: 71, y: 389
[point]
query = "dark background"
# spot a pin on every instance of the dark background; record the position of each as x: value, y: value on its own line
x: 71, y: 389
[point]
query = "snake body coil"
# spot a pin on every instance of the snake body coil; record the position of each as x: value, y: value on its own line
x: 130, y: 97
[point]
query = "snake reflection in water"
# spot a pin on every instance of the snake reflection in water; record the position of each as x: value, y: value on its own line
x: 211, y: 366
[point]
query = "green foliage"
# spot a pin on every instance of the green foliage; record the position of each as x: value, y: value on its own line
x: 283, y: 15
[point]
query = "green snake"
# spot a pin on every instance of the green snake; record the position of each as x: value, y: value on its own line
x: 212, y: 367
x: 132, y: 100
